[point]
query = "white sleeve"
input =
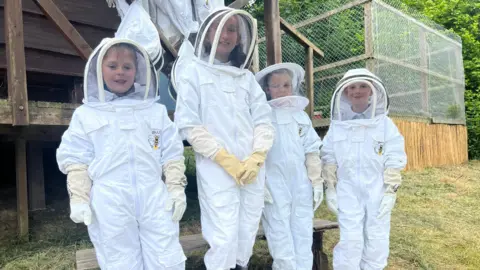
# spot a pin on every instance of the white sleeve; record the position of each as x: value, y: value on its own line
x: 172, y: 145
x: 187, y: 119
x: 395, y: 156
x: 311, y: 142
x: 327, y: 152
x: 187, y: 110
x: 262, y: 117
x: 75, y: 146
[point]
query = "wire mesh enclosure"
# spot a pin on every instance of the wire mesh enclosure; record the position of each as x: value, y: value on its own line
x: 419, y: 61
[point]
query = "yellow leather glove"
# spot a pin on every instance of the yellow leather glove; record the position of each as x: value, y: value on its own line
x: 251, y: 167
x: 230, y: 164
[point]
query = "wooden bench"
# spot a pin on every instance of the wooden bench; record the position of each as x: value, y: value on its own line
x: 86, y: 259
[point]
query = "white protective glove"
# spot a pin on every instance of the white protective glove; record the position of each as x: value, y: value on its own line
x: 332, y: 203
x: 79, y: 185
x: 329, y: 173
x: 317, y: 196
x: 392, y: 179
x: 314, y: 172
x: 81, y: 213
x: 175, y: 180
x: 268, y: 196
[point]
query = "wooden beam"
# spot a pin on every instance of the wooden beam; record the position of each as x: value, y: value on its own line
x: 272, y: 32
x: 87, y: 12
x: 66, y: 28
x: 368, y: 32
x: 21, y: 178
x: 331, y: 13
x: 35, y: 176
x: 341, y: 63
x: 329, y: 77
x: 422, y: 25
x: 48, y: 62
x: 419, y: 69
x: 325, y: 15
x: 299, y: 37
x: 86, y: 258
x: 41, y: 113
x: 15, y: 53
x: 309, y: 80
x: 33, y: 133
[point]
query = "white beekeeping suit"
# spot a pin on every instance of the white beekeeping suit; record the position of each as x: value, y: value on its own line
x: 173, y: 17
x: 292, y: 167
x: 223, y: 113
x: 115, y: 152
x: 363, y: 153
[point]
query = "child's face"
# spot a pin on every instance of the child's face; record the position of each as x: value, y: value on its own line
x: 229, y: 37
x: 118, y: 69
x: 358, y: 93
x: 280, y: 85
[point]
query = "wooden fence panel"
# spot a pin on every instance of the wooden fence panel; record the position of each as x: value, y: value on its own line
x: 431, y: 145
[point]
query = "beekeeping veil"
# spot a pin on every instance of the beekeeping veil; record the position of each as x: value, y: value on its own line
x: 245, y: 26
x: 215, y: 37
x: 341, y: 104
x: 296, y: 73
x: 144, y: 88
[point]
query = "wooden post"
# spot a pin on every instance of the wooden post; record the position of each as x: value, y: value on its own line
x: 17, y: 77
x: 320, y: 259
x: 368, y: 27
x: 423, y: 75
x: 272, y: 32
x: 21, y: 176
x: 35, y: 177
x: 309, y: 81
x: 66, y: 28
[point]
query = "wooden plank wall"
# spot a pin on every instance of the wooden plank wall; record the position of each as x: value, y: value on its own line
x: 46, y: 50
x: 432, y: 145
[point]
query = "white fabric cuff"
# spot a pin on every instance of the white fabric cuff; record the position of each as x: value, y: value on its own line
x: 263, y: 136
x: 202, y: 142
x: 79, y: 183
x: 314, y: 168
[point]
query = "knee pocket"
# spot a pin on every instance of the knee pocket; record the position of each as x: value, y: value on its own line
x: 172, y: 260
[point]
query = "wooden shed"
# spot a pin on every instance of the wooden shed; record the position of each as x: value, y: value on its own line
x: 43, y: 51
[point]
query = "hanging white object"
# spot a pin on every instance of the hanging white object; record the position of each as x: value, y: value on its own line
x: 204, y: 7
x: 174, y: 18
x: 137, y: 26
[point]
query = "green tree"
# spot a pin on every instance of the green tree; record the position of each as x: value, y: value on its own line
x: 462, y: 17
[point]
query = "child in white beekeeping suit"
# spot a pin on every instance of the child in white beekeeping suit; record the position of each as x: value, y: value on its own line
x: 363, y: 154
x: 118, y: 146
x: 293, y: 168
x: 223, y: 113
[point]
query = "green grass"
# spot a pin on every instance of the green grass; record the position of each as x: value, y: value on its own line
x: 435, y: 225
x: 436, y: 221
